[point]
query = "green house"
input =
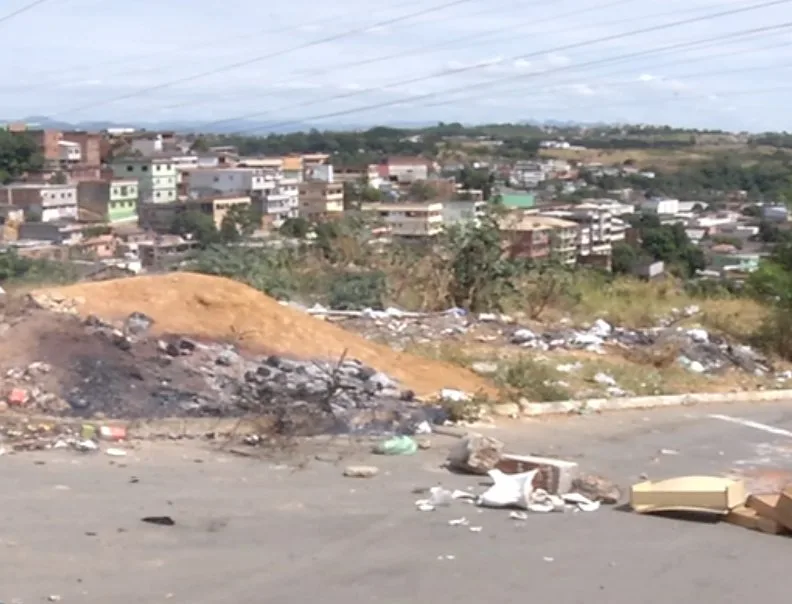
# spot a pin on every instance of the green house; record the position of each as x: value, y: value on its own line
x: 518, y: 200
x: 113, y: 202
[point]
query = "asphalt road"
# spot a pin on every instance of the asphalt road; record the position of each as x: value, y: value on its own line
x: 263, y: 531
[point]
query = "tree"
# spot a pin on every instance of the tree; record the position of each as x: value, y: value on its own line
x: 19, y: 154
x: 421, y: 191
x: 199, y: 145
x: 482, y: 277
x: 240, y: 221
x: 296, y: 228
x: 197, y: 226
x: 624, y: 258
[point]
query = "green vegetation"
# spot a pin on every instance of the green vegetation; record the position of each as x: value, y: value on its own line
x: 668, y: 243
x: 18, y: 156
x: 15, y: 269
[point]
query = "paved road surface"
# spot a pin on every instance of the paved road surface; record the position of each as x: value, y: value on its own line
x: 258, y: 532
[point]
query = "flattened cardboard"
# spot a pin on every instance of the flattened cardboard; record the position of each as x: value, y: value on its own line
x: 764, y: 504
x: 743, y: 516
x: 783, y: 508
x: 709, y: 494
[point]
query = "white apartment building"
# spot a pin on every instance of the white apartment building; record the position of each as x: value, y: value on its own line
x: 231, y: 180
x: 660, y: 205
x: 282, y: 201
x: 526, y: 175
x: 411, y: 220
x: 274, y: 195
x: 598, y: 230
x: 69, y: 152
x: 42, y: 202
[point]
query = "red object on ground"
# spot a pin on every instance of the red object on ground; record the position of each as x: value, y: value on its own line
x: 18, y: 397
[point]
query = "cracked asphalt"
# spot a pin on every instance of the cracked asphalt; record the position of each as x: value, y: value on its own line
x: 252, y: 530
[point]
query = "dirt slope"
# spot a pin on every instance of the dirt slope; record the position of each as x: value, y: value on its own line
x: 222, y: 309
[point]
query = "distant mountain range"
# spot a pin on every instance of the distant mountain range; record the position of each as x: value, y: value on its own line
x: 188, y: 126
x: 241, y: 126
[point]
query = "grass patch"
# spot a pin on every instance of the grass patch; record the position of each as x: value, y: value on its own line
x: 624, y: 301
x: 534, y: 379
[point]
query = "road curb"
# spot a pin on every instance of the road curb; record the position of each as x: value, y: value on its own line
x: 651, y: 402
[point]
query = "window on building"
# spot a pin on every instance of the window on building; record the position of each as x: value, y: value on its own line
x: 130, y: 168
x: 168, y: 167
x: 156, y: 193
x: 144, y: 168
x: 124, y: 191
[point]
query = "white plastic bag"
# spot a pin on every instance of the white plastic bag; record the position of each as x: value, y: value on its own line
x: 509, y: 490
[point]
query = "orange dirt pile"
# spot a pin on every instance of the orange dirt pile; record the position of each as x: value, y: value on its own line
x: 221, y: 309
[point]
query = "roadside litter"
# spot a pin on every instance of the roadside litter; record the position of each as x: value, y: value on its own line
x: 726, y: 498
x: 527, y: 483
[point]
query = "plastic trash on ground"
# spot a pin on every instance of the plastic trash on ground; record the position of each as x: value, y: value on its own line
x: 508, y: 490
x: 398, y: 445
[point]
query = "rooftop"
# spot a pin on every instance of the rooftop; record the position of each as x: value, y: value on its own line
x: 531, y: 222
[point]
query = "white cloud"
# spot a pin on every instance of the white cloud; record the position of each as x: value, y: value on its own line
x: 519, y: 45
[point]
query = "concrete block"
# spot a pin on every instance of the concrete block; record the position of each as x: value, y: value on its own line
x: 554, y: 475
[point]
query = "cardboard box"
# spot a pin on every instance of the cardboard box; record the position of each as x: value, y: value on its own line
x: 751, y: 519
x: 783, y: 508
x: 710, y: 494
x: 743, y: 516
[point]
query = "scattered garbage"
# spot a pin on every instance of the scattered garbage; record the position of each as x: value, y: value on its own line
x: 508, y: 490
x: 361, y: 471
x: 475, y: 453
x: 398, y: 445
x: 726, y: 498
x: 159, y: 520
x: 115, y: 452
x: 706, y: 494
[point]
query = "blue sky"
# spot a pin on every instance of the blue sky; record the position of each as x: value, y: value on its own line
x: 483, y: 60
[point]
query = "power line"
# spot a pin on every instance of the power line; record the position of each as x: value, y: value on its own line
x: 24, y: 9
x: 518, y: 76
x: 420, y: 50
x: 673, y: 47
x: 158, y: 54
x: 271, y: 55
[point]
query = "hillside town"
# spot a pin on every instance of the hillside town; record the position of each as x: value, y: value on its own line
x: 109, y: 200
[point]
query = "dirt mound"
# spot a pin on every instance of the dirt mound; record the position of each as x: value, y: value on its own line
x: 221, y: 309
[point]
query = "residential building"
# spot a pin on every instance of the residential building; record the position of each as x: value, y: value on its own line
x: 358, y: 174
x: 164, y: 250
x: 114, y: 202
x: 598, y: 231
x: 517, y: 200
x: 321, y: 199
x: 57, y: 232
x: 660, y: 205
x: 463, y: 211
x: 69, y: 153
x: 282, y: 202
x: 775, y: 213
x: 319, y: 172
x: 524, y: 236
x: 292, y: 166
x: 47, y: 143
x: 42, y: 202
x: 251, y: 181
x: 159, y: 217
x: 156, y: 177
x: 726, y: 258
x: 147, y: 144
x: 90, y: 144
x: 407, y: 169
x: 526, y: 175
x: 411, y: 220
